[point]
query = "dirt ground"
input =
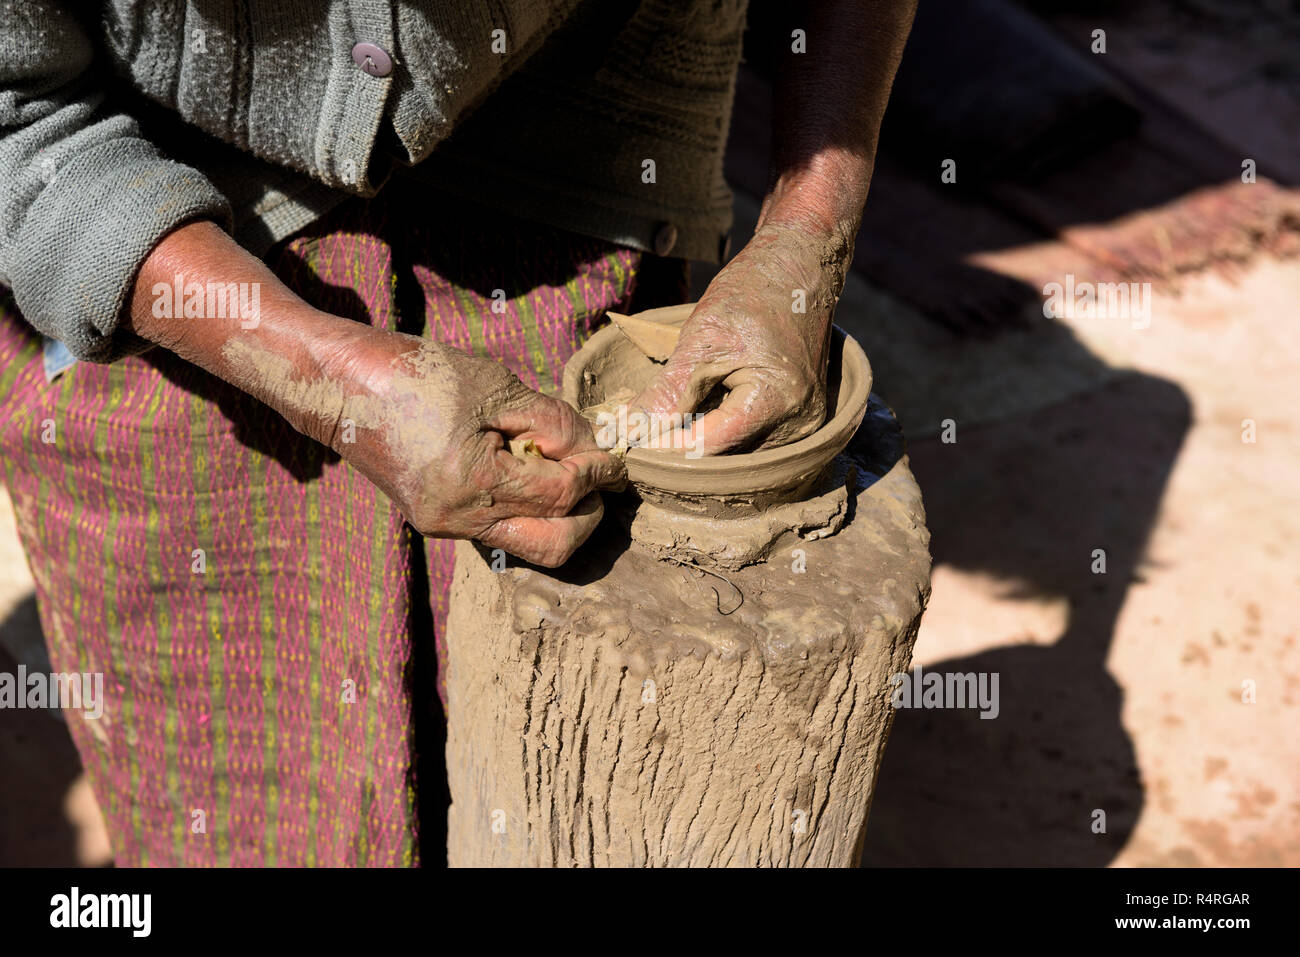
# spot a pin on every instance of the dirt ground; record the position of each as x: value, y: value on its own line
x: 1120, y: 691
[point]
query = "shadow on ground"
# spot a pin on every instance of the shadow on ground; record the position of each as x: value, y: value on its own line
x: 38, y: 766
x: 1028, y: 501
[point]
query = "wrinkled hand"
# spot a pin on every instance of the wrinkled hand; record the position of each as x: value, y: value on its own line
x: 426, y: 423
x: 431, y: 427
x: 749, y: 335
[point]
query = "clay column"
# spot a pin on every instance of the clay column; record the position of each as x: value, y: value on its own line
x: 635, y: 711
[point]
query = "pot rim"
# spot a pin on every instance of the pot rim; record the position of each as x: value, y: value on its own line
x: 746, y: 473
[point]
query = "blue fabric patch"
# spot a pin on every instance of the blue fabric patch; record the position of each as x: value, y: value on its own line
x: 58, y: 359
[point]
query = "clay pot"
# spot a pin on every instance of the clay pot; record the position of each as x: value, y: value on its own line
x: 739, y: 483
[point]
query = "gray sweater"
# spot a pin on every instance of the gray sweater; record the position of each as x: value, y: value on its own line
x: 606, y: 117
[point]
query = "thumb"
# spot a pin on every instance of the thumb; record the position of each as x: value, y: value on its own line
x: 738, y: 421
x: 681, y: 386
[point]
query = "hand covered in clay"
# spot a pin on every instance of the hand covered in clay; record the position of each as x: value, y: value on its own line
x: 426, y: 423
x: 431, y: 427
x: 762, y: 331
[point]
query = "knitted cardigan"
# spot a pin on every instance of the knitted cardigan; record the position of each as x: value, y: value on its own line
x: 605, y: 117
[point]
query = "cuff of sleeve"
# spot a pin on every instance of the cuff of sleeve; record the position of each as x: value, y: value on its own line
x: 85, y: 237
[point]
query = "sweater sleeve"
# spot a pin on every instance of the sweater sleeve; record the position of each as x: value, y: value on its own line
x: 84, y: 197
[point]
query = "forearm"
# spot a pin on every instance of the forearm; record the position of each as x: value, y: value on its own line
x: 264, y: 339
x: 829, y: 102
x: 427, y: 424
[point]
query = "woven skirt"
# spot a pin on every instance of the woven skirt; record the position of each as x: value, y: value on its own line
x: 257, y: 609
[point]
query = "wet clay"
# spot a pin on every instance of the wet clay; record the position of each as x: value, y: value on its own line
x: 655, y: 339
x: 524, y: 449
x: 632, y: 711
x: 611, y: 364
x: 725, y: 511
x: 273, y: 377
x: 736, y: 541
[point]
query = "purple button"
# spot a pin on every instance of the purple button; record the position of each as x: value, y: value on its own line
x: 373, y: 59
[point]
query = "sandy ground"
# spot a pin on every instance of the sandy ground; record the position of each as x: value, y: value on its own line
x: 1124, y: 691
x: 48, y: 816
x: 1120, y: 692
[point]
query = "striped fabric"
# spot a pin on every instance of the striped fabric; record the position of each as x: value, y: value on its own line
x: 246, y: 595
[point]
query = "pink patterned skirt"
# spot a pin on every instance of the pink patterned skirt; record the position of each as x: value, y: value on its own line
x: 270, y: 709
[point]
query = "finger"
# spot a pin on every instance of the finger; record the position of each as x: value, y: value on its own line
x: 742, y: 419
x: 677, y: 391
x: 681, y: 386
x: 546, y: 541
x: 540, y: 487
x: 555, y: 426
x: 604, y: 469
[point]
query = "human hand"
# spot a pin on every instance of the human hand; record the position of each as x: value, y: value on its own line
x: 431, y: 427
x: 762, y: 331
x: 426, y: 423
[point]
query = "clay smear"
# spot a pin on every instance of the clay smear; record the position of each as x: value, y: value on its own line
x: 524, y: 449
x: 657, y: 340
x: 612, y: 363
x: 268, y: 374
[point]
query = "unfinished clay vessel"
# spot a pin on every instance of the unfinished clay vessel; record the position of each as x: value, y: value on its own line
x: 704, y: 692
x: 747, y: 483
